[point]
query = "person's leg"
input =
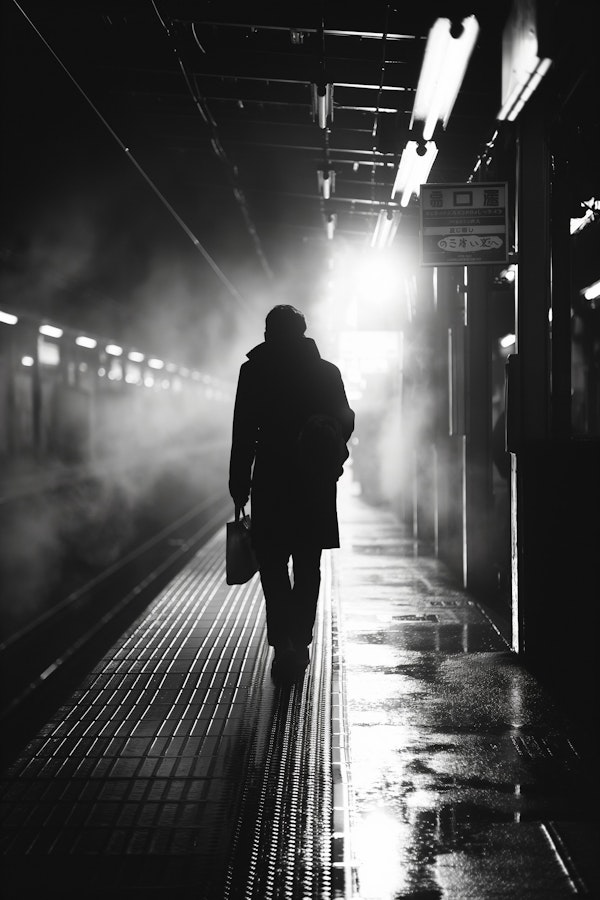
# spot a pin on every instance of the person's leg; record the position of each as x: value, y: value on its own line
x: 305, y: 593
x: 275, y: 580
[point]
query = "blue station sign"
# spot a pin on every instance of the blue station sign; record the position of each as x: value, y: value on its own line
x: 464, y: 224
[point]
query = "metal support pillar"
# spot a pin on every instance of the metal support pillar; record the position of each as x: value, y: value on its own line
x: 532, y: 299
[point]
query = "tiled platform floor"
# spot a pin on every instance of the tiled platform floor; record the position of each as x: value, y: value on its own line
x: 463, y: 780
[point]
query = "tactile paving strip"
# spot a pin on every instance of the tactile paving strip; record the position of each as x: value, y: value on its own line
x: 178, y: 764
x: 147, y: 759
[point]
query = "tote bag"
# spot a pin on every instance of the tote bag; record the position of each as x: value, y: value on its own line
x: 240, y: 561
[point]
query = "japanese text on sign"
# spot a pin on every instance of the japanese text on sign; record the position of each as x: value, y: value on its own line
x: 463, y: 224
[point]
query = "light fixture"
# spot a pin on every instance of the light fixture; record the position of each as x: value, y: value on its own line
x: 414, y: 168
x: 507, y: 341
x: 322, y: 103
x: 155, y: 363
x: 8, y: 318
x: 83, y: 341
x: 386, y: 228
x: 508, y: 275
x: 113, y: 349
x: 522, y: 68
x: 523, y: 90
x: 135, y: 356
x: 592, y: 292
x: 330, y: 224
x: 444, y: 65
x: 326, y: 182
x: 50, y: 331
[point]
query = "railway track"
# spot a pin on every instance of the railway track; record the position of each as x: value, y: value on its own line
x: 42, y: 661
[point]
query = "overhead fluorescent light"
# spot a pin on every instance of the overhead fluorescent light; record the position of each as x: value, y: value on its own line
x: 330, y: 224
x: 322, y: 103
x: 386, y: 228
x: 8, y: 318
x: 83, y: 341
x: 114, y: 349
x: 592, y: 292
x: 522, y: 67
x: 326, y: 182
x: 523, y: 90
x: 507, y: 341
x: 413, y: 171
x: 51, y: 331
x: 135, y: 356
x: 444, y: 65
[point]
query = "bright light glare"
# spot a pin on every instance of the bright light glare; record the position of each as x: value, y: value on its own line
x: 27, y: 361
x: 83, y: 341
x: 51, y: 331
x: 507, y: 341
x: 8, y: 318
x: 135, y: 356
x: 155, y: 363
x: 413, y: 170
x: 444, y: 65
x: 48, y: 353
x: 589, y: 216
x: 593, y: 291
x: 114, y: 350
x: 368, y: 352
x: 379, y: 841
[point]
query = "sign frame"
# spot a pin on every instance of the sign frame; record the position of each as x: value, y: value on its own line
x: 461, y: 225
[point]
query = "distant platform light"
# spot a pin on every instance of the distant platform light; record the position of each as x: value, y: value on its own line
x: 156, y: 363
x: 8, y: 318
x: 51, y: 331
x: 149, y: 381
x: 114, y: 350
x: 135, y: 356
x: 83, y: 341
x: 27, y: 361
x: 507, y: 341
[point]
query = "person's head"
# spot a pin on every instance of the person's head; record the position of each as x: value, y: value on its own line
x: 284, y: 323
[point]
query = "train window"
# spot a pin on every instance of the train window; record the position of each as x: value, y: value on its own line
x: 48, y: 352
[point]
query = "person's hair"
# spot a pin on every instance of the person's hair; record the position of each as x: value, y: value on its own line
x: 284, y: 322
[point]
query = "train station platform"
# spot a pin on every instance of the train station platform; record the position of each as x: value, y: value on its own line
x: 417, y: 758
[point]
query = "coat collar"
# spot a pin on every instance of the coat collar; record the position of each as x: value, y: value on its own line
x: 296, y: 351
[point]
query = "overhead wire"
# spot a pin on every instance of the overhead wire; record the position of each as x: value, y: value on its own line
x: 215, y: 141
x: 173, y: 212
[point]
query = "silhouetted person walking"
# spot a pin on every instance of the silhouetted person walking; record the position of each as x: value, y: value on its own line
x: 290, y: 427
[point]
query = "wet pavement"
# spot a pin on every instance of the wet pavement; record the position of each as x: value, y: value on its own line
x: 466, y: 780
x: 417, y: 759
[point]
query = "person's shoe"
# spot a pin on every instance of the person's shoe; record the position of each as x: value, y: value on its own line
x: 283, y: 667
x: 289, y: 663
x: 302, y: 657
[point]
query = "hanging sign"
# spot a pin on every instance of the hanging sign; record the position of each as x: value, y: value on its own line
x: 464, y: 224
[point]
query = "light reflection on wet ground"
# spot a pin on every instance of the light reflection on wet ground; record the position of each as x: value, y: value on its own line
x: 464, y: 779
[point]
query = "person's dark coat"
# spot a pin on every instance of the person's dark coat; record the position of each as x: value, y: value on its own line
x: 288, y: 399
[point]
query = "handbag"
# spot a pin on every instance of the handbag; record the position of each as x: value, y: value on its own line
x: 240, y: 561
